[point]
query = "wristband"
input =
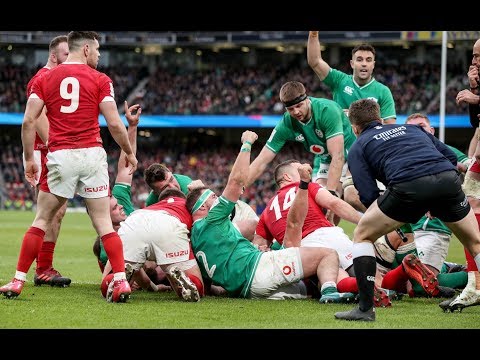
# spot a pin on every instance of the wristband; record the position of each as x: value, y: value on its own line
x: 245, y: 148
x: 333, y: 192
x: 303, y: 185
x: 247, y: 143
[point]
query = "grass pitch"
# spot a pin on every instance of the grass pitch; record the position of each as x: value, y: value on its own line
x: 81, y: 306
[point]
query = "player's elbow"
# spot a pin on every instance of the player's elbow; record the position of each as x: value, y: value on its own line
x: 313, y: 61
x: 338, y: 156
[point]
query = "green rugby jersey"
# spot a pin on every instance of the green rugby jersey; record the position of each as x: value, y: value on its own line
x: 183, y: 181
x: 328, y: 120
x: 345, y: 91
x: 222, y: 253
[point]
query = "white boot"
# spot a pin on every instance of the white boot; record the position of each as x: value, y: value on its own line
x: 470, y: 296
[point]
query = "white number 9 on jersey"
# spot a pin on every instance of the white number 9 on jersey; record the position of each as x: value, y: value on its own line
x: 70, y: 90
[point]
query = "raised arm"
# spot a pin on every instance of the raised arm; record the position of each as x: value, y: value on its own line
x: 132, y: 115
x: 258, y: 166
x: 238, y: 177
x: 314, y: 56
x: 118, y: 131
x: 299, y: 209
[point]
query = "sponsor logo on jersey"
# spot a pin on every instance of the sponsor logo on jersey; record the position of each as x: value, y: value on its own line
x: 96, y: 189
x: 299, y: 138
x: 386, y: 135
x: 372, y: 98
x: 348, y: 90
x: 289, y: 269
x: 317, y: 149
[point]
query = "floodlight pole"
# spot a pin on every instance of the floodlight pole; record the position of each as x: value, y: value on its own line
x: 443, y: 84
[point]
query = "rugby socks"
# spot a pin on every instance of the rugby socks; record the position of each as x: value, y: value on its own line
x: 31, y: 244
x: 455, y: 280
x: 396, y: 279
x: 45, y: 256
x: 328, y: 287
x: 471, y: 264
x: 365, y: 265
x: 198, y: 283
x: 114, y: 249
x: 349, y: 284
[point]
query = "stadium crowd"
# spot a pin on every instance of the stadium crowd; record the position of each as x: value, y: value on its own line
x: 236, y: 89
x: 211, y: 162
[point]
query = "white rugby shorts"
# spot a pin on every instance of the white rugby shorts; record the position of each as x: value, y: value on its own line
x: 77, y: 171
x: 154, y: 235
x: 333, y: 238
x: 277, y: 270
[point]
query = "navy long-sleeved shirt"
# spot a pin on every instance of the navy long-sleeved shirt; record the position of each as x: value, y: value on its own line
x: 393, y: 153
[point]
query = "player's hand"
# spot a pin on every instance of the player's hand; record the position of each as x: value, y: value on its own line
x: 135, y: 286
x: 264, y: 248
x: 249, y: 136
x: 466, y: 96
x: 461, y: 167
x: 473, y: 77
x: 131, y: 160
x: 305, y: 172
x: 428, y: 215
x: 31, y: 172
x: 195, y: 184
x: 132, y: 113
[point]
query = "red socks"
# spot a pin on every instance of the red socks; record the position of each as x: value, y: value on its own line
x: 114, y: 249
x: 348, y: 284
x: 471, y: 265
x: 45, y: 256
x: 396, y: 279
x: 198, y: 283
x: 31, y: 244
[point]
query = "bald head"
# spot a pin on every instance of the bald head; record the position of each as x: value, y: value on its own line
x: 477, y: 44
